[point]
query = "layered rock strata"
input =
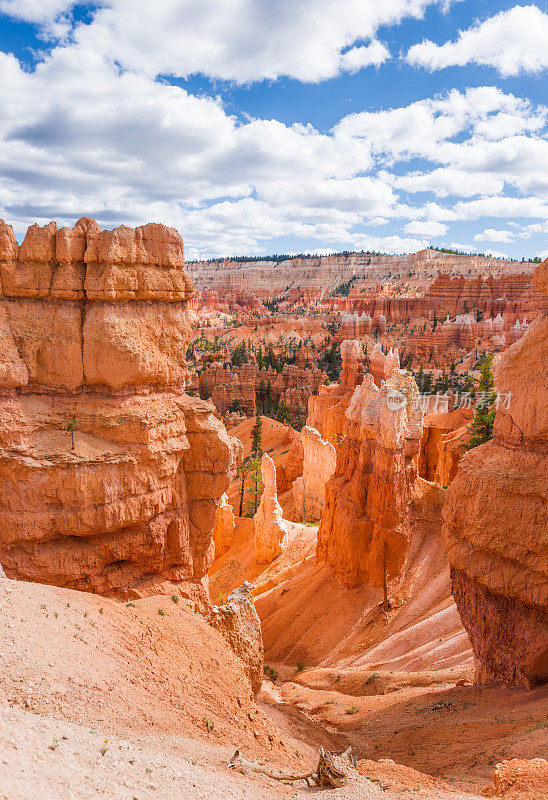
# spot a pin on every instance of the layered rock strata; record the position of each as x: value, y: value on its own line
x: 325, y: 274
x: 496, y: 522
x: 110, y: 474
x: 365, y: 528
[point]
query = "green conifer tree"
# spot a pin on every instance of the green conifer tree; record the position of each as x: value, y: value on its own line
x: 257, y: 435
x: 481, y: 427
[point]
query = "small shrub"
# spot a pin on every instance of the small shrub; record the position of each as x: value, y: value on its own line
x: 175, y: 598
x: 300, y: 666
x: 372, y: 677
x: 209, y: 724
x: 270, y: 673
x: 130, y: 605
x: 352, y: 710
x: 161, y: 612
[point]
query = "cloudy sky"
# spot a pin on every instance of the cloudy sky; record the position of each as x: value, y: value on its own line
x: 261, y: 126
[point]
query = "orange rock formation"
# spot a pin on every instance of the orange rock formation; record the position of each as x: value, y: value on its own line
x: 441, y: 444
x: 495, y: 522
x: 110, y: 474
x: 271, y: 530
x: 223, y: 530
x: 238, y: 623
x: 365, y: 523
x: 326, y: 409
x: 319, y: 463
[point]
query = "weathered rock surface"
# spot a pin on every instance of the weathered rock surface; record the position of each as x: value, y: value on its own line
x: 496, y: 524
x: 520, y: 779
x: 230, y: 387
x: 223, y: 530
x: 271, y: 530
x: 239, y: 623
x: 326, y: 409
x: 324, y: 273
x: 319, y: 463
x: 95, y: 331
x: 441, y: 444
x: 365, y: 523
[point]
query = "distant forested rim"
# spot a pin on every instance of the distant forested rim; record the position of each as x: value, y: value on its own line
x: 279, y: 257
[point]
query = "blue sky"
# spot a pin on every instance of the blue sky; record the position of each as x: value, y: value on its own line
x: 258, y: 126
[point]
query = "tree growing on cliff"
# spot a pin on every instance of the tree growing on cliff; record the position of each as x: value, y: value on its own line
x: 255, y: 486
x: 243, y: 470
x: 257, y: 435
x: 481, y: 427
x: 71, y: 427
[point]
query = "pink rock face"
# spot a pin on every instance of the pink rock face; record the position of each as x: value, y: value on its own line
x: 496, y: 523
x: 319, y: 463
x: 133, y: 500
x: 367, y: 501
x: 271, y: 530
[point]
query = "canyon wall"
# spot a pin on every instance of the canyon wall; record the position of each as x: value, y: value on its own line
x: 496, y: 522
x: 443, y: 437
x: 325, y: 273
x: 110, y: 474
x: 365, y: 526
x: 236, y: 387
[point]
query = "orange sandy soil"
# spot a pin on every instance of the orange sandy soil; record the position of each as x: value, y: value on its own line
x: 102, y: 699
x: 386, y: 684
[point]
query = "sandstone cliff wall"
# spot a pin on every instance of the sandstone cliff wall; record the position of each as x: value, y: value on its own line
x: 94, y: 332
x: 325, y: 273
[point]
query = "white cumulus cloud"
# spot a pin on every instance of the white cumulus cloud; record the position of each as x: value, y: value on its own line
x: 426, y: 228
x: 512, y: 42
x: 235, y: 40
x: 493, y: 235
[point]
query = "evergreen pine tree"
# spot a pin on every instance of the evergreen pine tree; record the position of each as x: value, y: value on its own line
x: 257, y: 435
x: 481, y: 427
x: 283, y: 414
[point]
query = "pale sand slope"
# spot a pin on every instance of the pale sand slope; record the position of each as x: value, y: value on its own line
x: 111, y: 704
